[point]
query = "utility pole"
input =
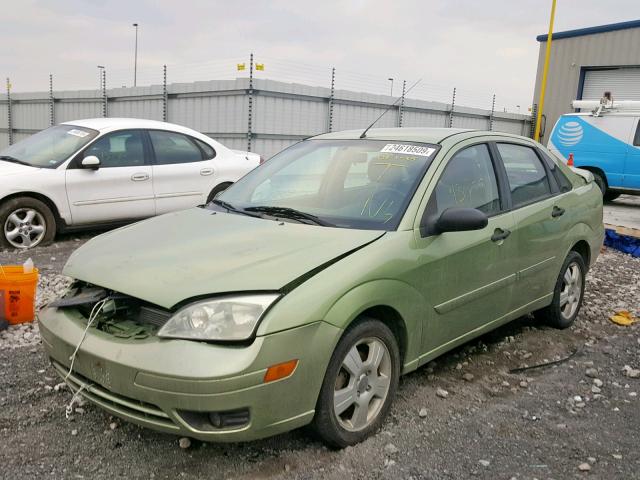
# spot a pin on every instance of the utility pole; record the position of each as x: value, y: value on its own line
x: 391, y: 80
x: 545, y: 71
x: 135, y: 58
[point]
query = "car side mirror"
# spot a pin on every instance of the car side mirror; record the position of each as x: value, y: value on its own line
x: 459, y: 220
x: 91, y: 162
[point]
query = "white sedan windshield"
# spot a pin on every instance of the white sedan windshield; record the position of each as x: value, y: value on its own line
x: 50, y: 147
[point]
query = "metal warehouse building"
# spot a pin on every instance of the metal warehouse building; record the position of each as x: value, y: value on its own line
x: 585, y: 63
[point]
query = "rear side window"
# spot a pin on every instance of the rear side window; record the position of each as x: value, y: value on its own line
x: 527, y: 176
x: 172, y: 147
x: 563, y: 182
x: 207, y: 149
x: 636, y: 139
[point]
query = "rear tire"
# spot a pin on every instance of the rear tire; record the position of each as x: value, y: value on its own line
x: 600, y: 181
x: 26, y: 222
x: 218, y: 189
x: 568, y: 294
x: 359, y: 384
x: 609, y: 195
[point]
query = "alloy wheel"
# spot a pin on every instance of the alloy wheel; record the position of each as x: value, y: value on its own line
x: 571, y: 291
x: 362, y: 384
x: 24, y: 228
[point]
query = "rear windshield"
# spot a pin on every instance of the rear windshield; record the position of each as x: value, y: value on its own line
x: 50, y: 147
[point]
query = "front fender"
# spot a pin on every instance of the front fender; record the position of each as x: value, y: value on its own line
x: 404, y: 299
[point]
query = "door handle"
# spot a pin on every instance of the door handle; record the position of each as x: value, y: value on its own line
x: 140, y: 177
x: 500, y: 234
x: 206, y: 171
x: 557, y: 212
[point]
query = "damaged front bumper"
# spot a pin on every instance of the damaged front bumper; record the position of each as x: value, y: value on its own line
x: 207, y: 391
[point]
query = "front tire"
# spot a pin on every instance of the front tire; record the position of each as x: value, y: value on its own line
x: 26, y: 222
x: 568, y: 294
x: 610, y: 196
x: 359, y: 385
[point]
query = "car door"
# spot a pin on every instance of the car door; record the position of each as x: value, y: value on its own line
x: 466, y: 277
x: 120, y: 189
x: 183, y: 170
x: 632, y: 163
x: 542, y: 214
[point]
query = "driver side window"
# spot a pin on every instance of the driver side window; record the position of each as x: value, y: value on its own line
x: 468, y: 181
x: 118, y: 149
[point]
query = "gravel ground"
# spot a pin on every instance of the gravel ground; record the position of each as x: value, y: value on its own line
x: 461, y: 416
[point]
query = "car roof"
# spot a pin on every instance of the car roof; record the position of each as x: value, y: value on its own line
x: 412, y: 134
x: 109, y: 123
x: 620, y: 113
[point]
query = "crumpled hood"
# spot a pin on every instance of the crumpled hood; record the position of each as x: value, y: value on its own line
x: 180, y: 255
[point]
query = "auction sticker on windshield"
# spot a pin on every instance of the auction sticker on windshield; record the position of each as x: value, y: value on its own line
x: 77, y: 133
x: 408, y: 149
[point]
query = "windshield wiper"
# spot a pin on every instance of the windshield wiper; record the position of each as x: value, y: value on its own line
x: 290, y: 213
x: 9, y: 158
x: 231, y: 208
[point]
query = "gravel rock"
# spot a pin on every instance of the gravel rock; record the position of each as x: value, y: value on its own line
x: 584, y: 467
x: 442, y: 393
x: 484, y: 463
x: 468, y: 377
x: 390, y: 449
x: 184, y: 442
x: 591, y: 372
x: 598, y: 383
x: 631, y: 372
x: 423, y: 413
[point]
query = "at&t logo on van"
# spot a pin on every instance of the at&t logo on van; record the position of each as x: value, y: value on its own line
x: 570, y: 133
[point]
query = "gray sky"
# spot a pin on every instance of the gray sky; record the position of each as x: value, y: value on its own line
x: 479, y: 46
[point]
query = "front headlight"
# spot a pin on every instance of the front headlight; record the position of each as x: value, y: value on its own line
x: 225, y: 318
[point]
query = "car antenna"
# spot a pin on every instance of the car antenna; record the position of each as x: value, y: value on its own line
x: 364, y: 134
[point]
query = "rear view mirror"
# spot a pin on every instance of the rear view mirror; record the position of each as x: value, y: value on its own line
x: 460, y: 220
x: 91, y: 162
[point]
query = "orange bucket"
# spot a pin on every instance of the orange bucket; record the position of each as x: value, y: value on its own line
x: 17, y: 294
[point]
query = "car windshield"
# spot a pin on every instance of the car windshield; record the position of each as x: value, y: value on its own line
x: 361, y: 184
x: 50, y: 147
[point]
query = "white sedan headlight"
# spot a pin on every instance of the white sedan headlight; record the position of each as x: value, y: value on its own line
x: 224, y: 318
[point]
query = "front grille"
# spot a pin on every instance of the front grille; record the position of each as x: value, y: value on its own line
x: 154, y: 316
x: 121, y: 315
x: 129, y: 407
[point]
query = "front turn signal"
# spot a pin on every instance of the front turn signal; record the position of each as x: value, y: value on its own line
x: 280, y: 370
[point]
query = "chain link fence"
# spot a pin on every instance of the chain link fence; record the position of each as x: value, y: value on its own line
x: 261, y: 106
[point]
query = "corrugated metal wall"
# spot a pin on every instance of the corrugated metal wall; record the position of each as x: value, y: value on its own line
x: 282, y: 113
x: 571, y: 56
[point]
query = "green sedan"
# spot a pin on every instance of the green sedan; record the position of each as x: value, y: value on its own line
x: 302, y: 293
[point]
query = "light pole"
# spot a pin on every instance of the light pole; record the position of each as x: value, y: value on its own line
x: 135, y: 57
x: 100, y: 68
x: 391, y: 80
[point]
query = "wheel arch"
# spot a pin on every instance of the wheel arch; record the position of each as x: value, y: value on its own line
x: 392, y: 302
x: 582, y: 248
x: 44, y: 199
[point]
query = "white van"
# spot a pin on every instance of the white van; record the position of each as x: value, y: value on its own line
x: 605, y: 141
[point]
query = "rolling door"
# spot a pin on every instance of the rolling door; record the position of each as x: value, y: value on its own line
x: 623, y: 83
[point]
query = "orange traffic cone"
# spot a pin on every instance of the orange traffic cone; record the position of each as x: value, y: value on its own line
x: 570, y: 160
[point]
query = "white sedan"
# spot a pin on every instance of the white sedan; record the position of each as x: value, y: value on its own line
x: 105, y: 171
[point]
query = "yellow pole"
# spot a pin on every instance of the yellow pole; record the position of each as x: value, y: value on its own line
x: 545, y: 70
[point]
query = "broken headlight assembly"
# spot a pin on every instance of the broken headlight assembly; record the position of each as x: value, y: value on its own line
x: 226, y: 318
